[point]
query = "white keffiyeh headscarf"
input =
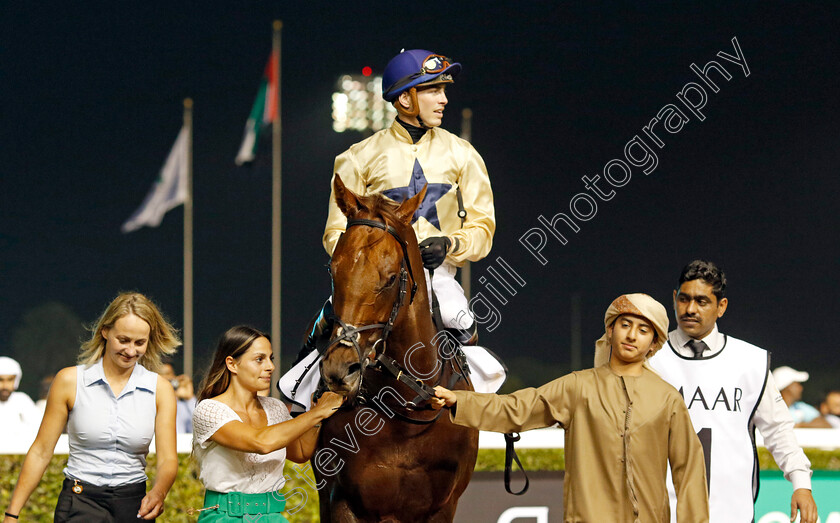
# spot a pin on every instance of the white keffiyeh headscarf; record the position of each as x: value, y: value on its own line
x: 9, y: 367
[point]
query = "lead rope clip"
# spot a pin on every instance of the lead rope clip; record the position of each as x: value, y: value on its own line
x: 193, y: 511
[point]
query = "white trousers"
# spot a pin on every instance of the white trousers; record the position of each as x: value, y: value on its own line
x: 454, y: 308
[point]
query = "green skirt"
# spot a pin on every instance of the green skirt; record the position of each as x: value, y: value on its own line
x: 234, y: 507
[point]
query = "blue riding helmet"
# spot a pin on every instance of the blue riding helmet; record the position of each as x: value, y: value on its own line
x: 414, y: 67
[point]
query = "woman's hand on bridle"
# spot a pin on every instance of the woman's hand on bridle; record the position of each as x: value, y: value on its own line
x: 328, y: 403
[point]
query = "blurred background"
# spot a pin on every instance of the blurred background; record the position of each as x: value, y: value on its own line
x: 92, y: 102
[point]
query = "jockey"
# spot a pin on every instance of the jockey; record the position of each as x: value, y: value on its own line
x: 456, y: 221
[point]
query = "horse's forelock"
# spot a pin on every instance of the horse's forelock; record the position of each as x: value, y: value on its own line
x: 380, y: 208
x: 378, y: 204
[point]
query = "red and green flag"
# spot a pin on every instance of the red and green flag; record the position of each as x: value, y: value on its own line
x: 263, y: 113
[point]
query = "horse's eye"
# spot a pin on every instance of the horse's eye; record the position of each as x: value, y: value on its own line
x: 392, y: 279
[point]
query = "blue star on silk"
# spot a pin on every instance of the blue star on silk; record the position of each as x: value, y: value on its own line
x: 428, y: 208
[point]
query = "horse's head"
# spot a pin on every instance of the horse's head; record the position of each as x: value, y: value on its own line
x: 376, y: 271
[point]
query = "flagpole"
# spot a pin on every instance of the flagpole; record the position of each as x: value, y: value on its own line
x: 576, y: 332
x: 188, y: 245
x: 466, y: 269
x: 276, y: 215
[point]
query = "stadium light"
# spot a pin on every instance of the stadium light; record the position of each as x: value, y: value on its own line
x: 357, y: 104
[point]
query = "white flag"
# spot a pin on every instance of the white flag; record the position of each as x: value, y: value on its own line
x: 169, y: 190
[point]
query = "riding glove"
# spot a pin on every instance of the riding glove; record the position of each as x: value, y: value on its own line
x: 434, y: 251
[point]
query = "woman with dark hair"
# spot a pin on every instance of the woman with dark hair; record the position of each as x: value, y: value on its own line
x: 112, y: 403
x: 242, y: 439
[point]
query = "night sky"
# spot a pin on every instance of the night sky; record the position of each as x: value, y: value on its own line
x: 92, y: 102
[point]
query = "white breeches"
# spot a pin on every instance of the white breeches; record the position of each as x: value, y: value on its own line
x: 454, y: 308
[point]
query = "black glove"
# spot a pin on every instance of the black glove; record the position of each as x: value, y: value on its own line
x: 434, y: 251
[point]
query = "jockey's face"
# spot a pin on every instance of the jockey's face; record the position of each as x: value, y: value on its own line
x: 432, y: 100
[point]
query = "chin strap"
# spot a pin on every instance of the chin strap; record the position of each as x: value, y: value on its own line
x: 414, y: 110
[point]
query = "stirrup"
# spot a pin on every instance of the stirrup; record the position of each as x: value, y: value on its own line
x: 467, y: 337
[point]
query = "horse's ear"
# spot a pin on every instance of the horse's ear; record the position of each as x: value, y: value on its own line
x: 405, y: 212
x: 346, y: 200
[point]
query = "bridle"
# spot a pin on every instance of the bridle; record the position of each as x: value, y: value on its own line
x: 348, y: 331
x: 381, y: 361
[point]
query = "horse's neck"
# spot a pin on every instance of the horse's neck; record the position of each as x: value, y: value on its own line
x: 419, y: 310
x: 416, y: 325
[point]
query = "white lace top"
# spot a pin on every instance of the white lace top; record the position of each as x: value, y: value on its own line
x: 227, y: 470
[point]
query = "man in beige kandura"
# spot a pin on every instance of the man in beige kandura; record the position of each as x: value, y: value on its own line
x: 622, y: 423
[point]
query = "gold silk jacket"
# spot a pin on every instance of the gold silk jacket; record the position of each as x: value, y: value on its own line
x: 620, y: 433
x: 389, y: 162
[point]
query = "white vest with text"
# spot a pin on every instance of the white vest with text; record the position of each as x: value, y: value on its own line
x: 722, y: 393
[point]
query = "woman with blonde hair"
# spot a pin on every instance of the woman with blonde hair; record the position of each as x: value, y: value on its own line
x: 241, y: 439
x: 112, y: 404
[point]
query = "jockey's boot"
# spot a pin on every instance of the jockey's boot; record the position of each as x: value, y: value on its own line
x: 467, y: 336
x: 319, y: 336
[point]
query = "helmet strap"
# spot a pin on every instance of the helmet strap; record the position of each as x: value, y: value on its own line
x: 413, y: 109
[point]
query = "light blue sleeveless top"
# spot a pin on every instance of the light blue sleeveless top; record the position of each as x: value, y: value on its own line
x: 109, y: 436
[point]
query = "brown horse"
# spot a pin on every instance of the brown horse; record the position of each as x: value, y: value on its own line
x: 385, y: 456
